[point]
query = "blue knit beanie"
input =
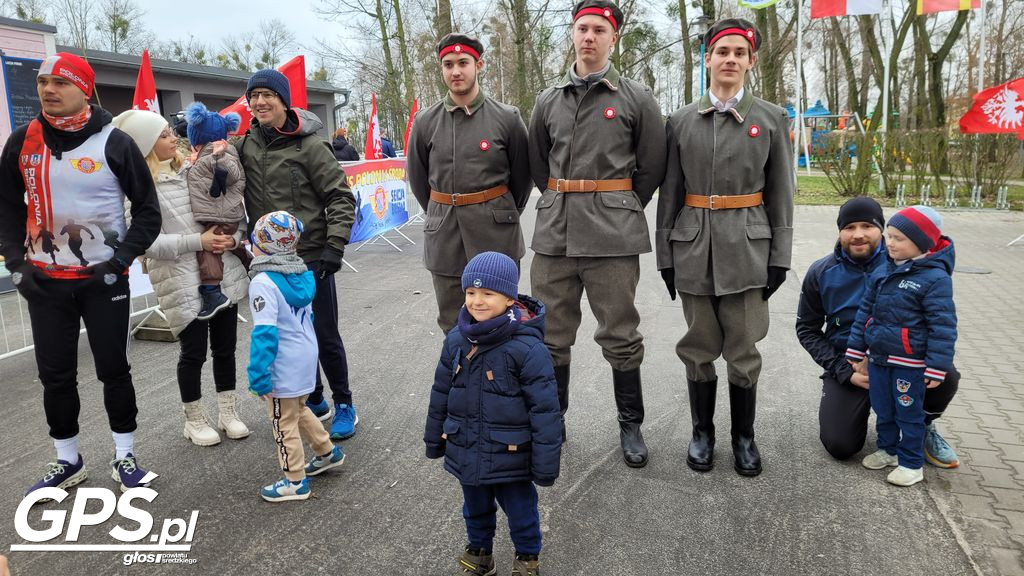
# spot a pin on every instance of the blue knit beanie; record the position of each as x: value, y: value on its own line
x: 921, y: 224
x: 492, y: 271
x: 272, y: 80
x: 205, y: 126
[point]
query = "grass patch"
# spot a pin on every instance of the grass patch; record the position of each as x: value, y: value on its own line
x: 815, y: 189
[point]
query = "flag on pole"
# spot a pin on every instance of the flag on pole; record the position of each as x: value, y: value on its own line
x: 373, y: 149
x: 295, y: 71
x: 145, y: 87
x: 932, y: 6
x: 408, y: 126
x: 757, y: 4
x: 997, y: 110
x: 827, y: 8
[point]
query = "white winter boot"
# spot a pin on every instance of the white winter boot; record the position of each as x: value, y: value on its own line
x: 228, y: 420
x: 197, y: 429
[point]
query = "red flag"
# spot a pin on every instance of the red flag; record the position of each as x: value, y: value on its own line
x: 373, y: 149
x: 826, y: 8
x: 997, y: 110
x: 295, y: 71
x: 408, y: 127
x: 145, y: 87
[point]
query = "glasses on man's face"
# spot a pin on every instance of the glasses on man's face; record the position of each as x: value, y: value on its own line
x: 265, y: 94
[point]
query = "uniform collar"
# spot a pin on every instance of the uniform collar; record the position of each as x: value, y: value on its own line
x: 475, y: 105
x: 611, y: 79
x: 739, y: 111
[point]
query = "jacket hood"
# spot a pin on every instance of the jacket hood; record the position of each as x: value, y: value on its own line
x: 298, y: 289
x: 942, y: 256
x: 533, y: 314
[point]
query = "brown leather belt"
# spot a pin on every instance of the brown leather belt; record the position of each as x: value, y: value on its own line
x: 559, y: 185
x: 470, y: 197
x: 716, y: 202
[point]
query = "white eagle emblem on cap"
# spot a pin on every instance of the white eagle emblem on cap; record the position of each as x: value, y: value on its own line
x: 478, y: 283
x: 458, y: 48
x: 607, y: 13
x: 750, y: 33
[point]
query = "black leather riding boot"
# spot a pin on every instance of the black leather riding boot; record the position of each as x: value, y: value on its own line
x: 742, y: 402
x: 700, y: 455
x: 629, y: 399
x: 562, y: 380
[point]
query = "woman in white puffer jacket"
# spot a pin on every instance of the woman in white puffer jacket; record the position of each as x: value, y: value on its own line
x: 174, y: 272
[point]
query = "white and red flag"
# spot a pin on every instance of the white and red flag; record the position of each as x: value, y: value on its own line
x: 373, y: 149
x: 408, y: 126
x: 145, y: 87
x: 997, y: 110
x: 295, y: 71
x: 827, y: 8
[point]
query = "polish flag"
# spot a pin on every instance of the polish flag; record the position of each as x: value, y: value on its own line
x: 997, y: 110
x: 932, y: 6
x: 826, y: 8
x: 145, y: 87
x: 373, y: 149
x: 408, y: 127
x: 295, y: 71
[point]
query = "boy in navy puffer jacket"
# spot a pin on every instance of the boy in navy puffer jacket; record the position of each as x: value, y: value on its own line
x: 907, y: 322
x: 494, y: 412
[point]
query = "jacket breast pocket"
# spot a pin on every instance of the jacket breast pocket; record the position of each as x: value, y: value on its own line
x: 295, y: 177
x: 505, y: 216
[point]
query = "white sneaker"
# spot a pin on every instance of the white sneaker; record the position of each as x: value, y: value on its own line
x: 879, y: 459
x: 197, y: 429
x: 905, y: 476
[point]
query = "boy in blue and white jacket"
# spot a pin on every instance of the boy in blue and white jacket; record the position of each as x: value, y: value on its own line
x: 903, y: 337
x: 283, y: 354
x: 494, y: 413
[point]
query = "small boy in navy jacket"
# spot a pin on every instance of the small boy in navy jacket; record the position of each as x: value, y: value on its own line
x: 494, y: 412
x: 907, y: 324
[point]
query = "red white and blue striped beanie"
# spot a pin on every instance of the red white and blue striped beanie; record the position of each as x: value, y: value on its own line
x: 921, y: 224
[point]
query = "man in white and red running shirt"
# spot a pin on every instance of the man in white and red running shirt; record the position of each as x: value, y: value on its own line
x: 71, y: 165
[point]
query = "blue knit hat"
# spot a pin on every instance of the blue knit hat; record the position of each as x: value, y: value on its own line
x: 205, y: 126
x: 492, y: 271
x: 272, y: 80
x: 921, y: 224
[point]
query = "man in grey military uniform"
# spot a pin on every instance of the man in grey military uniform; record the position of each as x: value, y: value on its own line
x: 469, y: 170
x: 725, y: 234
x: 598, y: 152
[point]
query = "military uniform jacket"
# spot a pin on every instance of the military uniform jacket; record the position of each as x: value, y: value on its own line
x: 739, y: 152
x: 457, y: 150
x: 611, y: 131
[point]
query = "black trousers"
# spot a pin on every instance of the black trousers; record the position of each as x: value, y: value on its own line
x: 220, y: 332
x: 844, y: 410
x: 56, y: 322
x: 333, y: 360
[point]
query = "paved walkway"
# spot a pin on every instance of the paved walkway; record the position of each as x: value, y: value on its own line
x: 389, y: 510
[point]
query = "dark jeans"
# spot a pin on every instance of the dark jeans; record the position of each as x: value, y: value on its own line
x: 333, y: 360
x: 519, y: 502
x: 843, y: 415
x: 221, y: 330
x: 55, y: 322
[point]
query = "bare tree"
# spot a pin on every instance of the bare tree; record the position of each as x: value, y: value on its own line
x: 272, y: 41
x: 74, y: 21
x: 120, y: 27
x: 239, y: 52
x: 30, y: 10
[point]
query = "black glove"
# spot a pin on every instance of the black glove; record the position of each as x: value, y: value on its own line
x: 26, y: 279
x: 219, y: 184
x: 330, y: 262
x: 544, y: 482
x: 106, y: 273
x: 669, y: 276
x: 776, y: 276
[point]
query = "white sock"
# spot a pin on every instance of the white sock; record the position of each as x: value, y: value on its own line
x: 124, y: 444
x: 67, y: 449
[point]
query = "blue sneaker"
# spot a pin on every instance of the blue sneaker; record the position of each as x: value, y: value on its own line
x: 284, y: 489
x: 319, y: 464
x: 322, y: 411
x: 345, y: 420
x: 937, y: 451
x: 61, y: 474
x: 127, y: 473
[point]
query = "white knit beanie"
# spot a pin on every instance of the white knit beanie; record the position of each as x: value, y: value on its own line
x: 143, y: 126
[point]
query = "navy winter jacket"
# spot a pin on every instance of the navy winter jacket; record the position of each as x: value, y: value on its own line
x: 830, y: 296
x: 497, y: 406
x: 908, y: 317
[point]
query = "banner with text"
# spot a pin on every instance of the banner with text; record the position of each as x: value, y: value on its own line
x: 379, y: 187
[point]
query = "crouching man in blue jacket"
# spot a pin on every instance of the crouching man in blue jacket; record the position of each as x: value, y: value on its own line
x: 903, y: 338
x: 494, y: 412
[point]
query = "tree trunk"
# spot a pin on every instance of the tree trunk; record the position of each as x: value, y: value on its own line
x: 443, y: 21
x: 407, y: 67
x: 524, y: 95
x: 852, y: 90
x: 391, y: 98
x: 684, y: 25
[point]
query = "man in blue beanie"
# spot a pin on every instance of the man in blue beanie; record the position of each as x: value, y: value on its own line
x: 288, y: 167
x: 832, y: 290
